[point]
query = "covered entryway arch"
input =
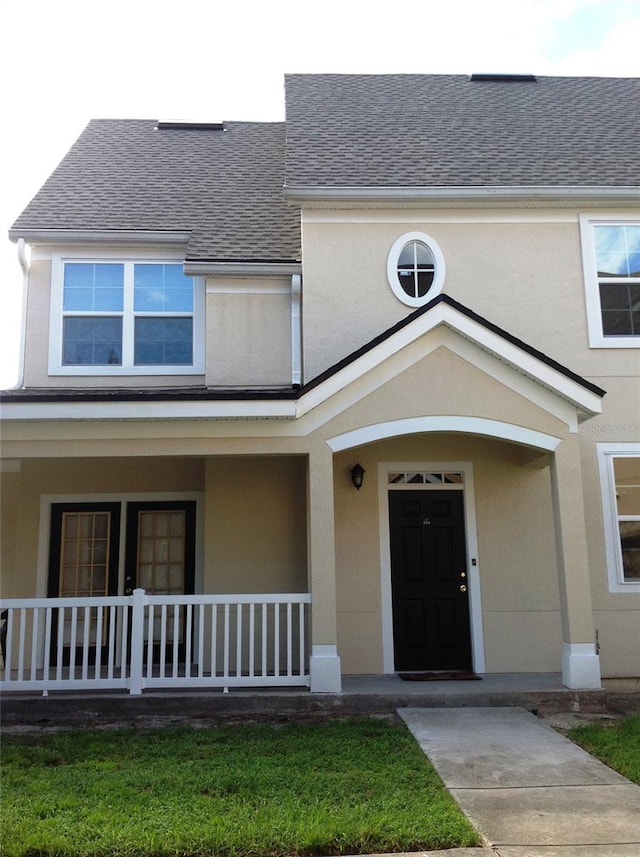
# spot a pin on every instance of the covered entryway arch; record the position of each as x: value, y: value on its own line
x: 427, y: 516
x: 446, y: 373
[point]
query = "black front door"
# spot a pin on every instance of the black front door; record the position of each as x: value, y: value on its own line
x: 429, y: 584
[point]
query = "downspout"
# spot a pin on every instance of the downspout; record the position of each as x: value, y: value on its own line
x: 24, y: 264
x: 296, y: 330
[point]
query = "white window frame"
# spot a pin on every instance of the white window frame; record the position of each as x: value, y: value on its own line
x: 597, y: 339
x: 56, y: 367
x: 606, y: 453
x: 392, y: 268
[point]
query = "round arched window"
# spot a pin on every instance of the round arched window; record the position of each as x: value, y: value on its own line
x: 415, y: 269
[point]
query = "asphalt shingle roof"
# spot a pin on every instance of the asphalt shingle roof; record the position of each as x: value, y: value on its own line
x: 342, y: 131
x: 223, y: 186
x: 404, y: 130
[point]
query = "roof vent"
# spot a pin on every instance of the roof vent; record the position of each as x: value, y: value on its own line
x: 503, y: 78
x: 190, y: 126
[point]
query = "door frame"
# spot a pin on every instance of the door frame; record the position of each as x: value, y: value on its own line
x: 471, y: 547
x: 44, y: 535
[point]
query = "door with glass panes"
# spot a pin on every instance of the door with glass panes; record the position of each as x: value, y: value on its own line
x: 84, y: 561
x: 160, y: 558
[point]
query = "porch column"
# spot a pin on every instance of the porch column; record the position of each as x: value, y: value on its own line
x: 324, y: 663
x: 580, y: 661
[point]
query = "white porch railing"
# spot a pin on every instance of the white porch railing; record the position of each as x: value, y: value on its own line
x: 163, y: 641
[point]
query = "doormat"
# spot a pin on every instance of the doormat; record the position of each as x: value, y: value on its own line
x: 453, y: 675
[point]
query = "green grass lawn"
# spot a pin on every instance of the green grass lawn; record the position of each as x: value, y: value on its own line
x: 298, y: 789
x: 616, y: 743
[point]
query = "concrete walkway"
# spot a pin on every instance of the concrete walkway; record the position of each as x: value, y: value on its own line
x: 529, y: 791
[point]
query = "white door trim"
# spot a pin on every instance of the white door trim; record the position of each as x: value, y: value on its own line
x: 473, y: 563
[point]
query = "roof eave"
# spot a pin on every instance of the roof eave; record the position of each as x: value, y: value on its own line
x: 541, y: 193
x: 196, y: 268
x: 53, y: 237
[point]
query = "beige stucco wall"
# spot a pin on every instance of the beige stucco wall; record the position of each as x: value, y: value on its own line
x: 521, y: 270
x: 616, y: 614
x: 443, y: 383
x: 255, y: 525
x: 248, y: 333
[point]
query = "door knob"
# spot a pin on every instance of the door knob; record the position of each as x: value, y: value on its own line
x: 463, y: 588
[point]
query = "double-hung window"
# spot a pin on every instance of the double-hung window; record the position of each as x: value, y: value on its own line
x: 125, y: 317
x: 619, y: 465
x: 611, y: 251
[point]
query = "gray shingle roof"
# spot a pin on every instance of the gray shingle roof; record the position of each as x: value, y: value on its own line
x: 226, y: 187
x: 223, y: 186
x: 447, y: 131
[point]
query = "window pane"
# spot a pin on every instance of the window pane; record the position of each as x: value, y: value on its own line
x: 407, y: 257
x: 620, y: 304
x: 632, y: 238
x: 84, y: 553
x: 627, y: 475
x: 93, y: 287
x: 424, y: 256
x: 614, y: 296
x: 91, y: 341
x: 425, y: 278
x: 416, y: 269
x: 162, y: 288
x: 163, y: 342
x: 608, y: 238
x: 617, y: 323
x: 612, y: 265
x: 630, y: 542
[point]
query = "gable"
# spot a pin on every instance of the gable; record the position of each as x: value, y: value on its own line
x: 493, y: 350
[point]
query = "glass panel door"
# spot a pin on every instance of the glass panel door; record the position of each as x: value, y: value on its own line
x: 161, y: 559
x: 83, y: 563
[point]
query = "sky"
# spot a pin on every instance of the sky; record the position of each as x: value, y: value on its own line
x: 64, y: 62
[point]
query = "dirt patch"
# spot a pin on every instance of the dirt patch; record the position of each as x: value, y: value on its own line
x: 563, y: 721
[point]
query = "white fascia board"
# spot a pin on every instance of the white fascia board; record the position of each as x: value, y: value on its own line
x: 140, y: 410
x: 469, y: 194
x: 587, y: 402
x: 242, y: 269
x: 119, y: 237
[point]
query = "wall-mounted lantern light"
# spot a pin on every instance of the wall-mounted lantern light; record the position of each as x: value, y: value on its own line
x: 357, y: 476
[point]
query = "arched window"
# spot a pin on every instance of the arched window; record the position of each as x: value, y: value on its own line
x: 415, y: 269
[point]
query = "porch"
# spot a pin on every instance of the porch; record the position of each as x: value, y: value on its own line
x: 362, y: 696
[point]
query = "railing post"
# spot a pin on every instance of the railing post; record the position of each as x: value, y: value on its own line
x: 138, y: 600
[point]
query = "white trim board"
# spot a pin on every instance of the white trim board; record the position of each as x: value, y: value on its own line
x: 466, y: 425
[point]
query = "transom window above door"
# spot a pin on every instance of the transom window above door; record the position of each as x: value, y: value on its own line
x: 126, y: 317
x: 415, y: 269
